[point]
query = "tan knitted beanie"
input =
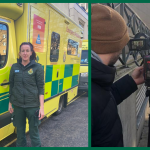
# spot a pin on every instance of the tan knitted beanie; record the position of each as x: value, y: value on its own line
x: 109, y: 30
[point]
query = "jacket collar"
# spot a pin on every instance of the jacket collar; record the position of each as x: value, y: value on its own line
x: 32, y: 62
x: 102, y: 74
x: 95, y: 56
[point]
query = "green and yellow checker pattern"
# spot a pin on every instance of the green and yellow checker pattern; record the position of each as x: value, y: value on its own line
x: 59, y: 78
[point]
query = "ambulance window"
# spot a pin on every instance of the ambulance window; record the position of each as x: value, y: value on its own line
x: 84, y: 57
x: 72, y: 47
x: 3, y: 45
x: 54, y: 52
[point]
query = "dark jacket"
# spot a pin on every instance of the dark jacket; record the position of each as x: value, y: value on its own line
x: 106, y: 124
x: 26, y: 84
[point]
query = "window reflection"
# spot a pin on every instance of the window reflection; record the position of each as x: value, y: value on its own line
x: 84, y: 57
x: 3, y: 45
x: 55, y: 42
x: 72, y: 47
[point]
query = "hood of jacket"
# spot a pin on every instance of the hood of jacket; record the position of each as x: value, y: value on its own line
x: 102, y: 74
x: 32, y: 62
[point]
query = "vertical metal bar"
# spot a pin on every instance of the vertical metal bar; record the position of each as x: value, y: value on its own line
x: 123, y: 51
x: 140, y: 24
x: 136, y: 54
x: 121, y: 61
x: 128, y: 55
x: 133, y: 54
x: 134, y: 29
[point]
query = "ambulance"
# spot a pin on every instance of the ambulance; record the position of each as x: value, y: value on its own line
x: 57, y: 43
x: 83, y: 79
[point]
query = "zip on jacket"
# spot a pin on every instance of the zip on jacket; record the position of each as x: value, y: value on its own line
x: 26, y: 84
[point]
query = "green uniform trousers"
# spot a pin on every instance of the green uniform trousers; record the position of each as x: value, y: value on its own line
x: 19, y: 120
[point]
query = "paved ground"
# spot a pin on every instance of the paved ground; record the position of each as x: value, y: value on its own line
x: 69, y: 129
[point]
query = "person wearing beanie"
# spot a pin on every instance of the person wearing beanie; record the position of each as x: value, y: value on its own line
x: 109, y: 37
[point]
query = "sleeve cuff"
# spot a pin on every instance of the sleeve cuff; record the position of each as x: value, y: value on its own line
x: 131, y: 82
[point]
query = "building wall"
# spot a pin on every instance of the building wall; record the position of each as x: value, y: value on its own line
x: 142, y: 10
x: 77, y: 14
x: 127, y: 113
x: 84, y: 5
x: 131, y: 123
x: 80, y: 17
x: 64, y: 7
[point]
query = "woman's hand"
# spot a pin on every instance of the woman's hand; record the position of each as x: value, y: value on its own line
x: 41, y: 113
x: 10, y: 109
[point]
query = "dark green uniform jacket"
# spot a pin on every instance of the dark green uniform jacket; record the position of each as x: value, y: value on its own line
x: 26, y: 84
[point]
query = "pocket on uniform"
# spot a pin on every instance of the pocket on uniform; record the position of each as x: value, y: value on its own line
x: 13, y: 120
x: 36, y: 118
x: 36, y: 121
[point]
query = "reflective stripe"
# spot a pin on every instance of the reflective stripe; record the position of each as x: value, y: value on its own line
x: 4, y: 20
x: 5, y: 119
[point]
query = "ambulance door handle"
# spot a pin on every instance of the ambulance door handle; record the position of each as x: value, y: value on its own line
x: 57, y: 74
x: 2, y: 84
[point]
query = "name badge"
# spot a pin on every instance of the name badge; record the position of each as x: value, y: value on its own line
x: 16, y: 70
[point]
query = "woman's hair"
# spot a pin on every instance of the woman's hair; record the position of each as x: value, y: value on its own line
x: 33, y: 56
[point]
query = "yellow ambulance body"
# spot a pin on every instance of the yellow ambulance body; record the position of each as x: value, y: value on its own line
x: 83, y: 79
x: 57, y: 43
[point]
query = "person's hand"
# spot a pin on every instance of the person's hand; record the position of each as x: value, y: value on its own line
x: 41, y: 113
x: 10, y: 109
x: 137, y: 75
